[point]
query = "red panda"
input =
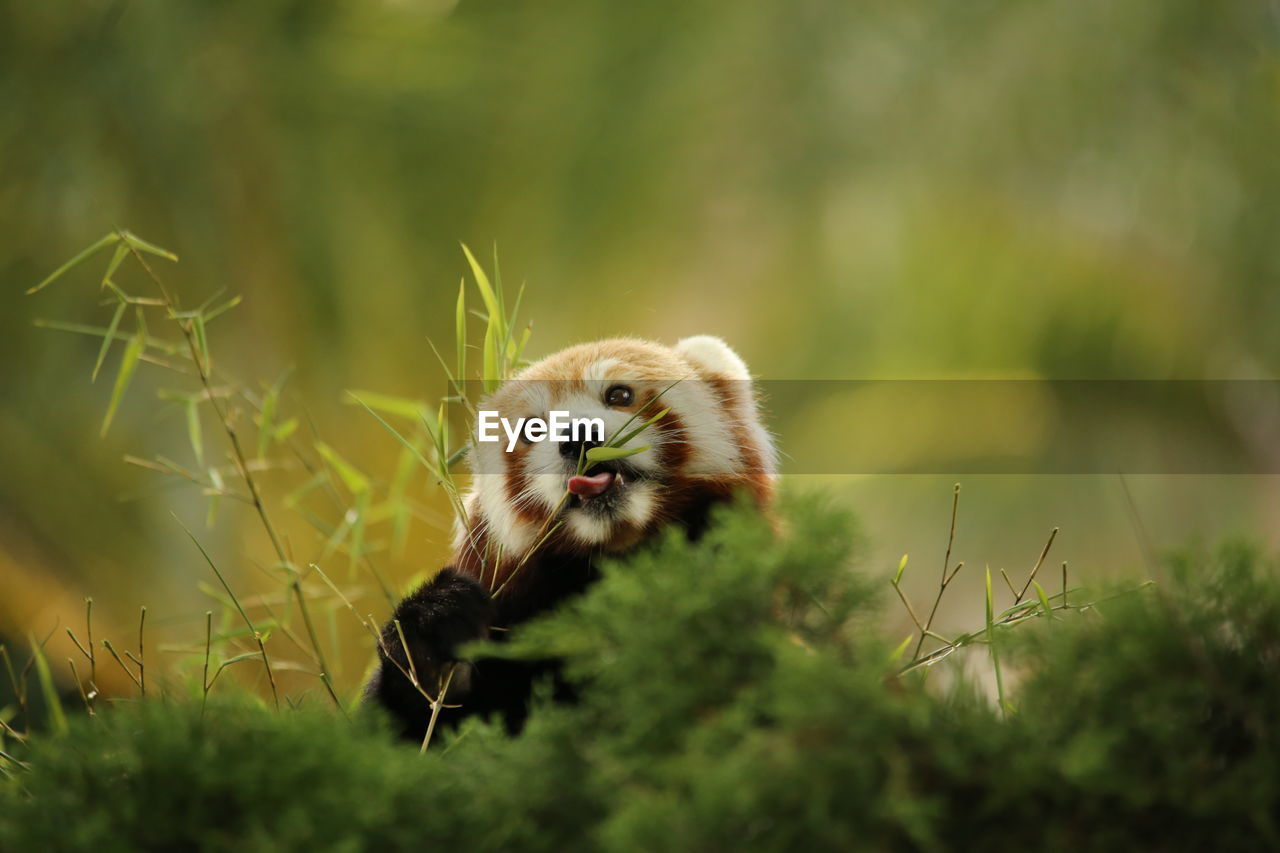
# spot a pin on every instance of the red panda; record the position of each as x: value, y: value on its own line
x: 537, y: 518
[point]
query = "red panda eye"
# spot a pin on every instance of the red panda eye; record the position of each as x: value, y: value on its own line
x: 619, y: 395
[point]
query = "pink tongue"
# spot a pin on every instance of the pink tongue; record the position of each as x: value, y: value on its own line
x: 590, y: 486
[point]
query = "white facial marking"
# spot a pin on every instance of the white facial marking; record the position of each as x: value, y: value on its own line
x: 714, y: 432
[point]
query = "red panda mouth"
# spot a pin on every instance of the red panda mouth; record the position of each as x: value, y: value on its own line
x: 602, y: 489
x: 585, y: 486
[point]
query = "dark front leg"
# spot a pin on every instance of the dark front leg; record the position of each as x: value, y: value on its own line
x: 449, y: 610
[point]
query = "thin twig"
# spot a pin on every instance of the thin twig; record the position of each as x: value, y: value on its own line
x: 241, y: 460
x: 1028, y: 610
x: 18, y: 689
x: 1036, y: 568
x: 910, y: 610
x: 435, y: 709
x: 946, y: 563
x: 266, y: 662
x: 127, y: 671
x: 7, y: 757
x: 75, y: 676
x: 208, y: 644
x: 142, y: 654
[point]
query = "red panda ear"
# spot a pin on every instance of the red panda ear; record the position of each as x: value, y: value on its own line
x: 712, y: 358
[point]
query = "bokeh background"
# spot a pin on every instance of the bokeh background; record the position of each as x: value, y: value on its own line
x: 844, y: 190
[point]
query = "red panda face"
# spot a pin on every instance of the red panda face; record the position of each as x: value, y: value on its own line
x: 709, y: 443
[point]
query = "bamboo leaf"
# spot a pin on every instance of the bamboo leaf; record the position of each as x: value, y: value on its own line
x: 609, y: 454
x: 241, y: 657
x: 515, y: 312
x: 99, y: 331
x: 150, y: 248
x: 128, y: 364
x: 995, y: 653
x: 57, y: 719
x: 119, y: 255
x: 210, y: 315
x: 356, y: 482
x: 1044, y: 598
x: 401, y: 406
x: 497, y: 284
x: 107, y: 339
x: 901, y: 649
x: 442, y: 433
x: 193, y: 430
x: 212, y: 515
x: 622, y: 441
x: 285, y: 430
x: 79, y: 259
x: 524, y: 340
x: 266, y: 419
x: 202, y: 340
x: 990, y: 609
x: 410, y: 446
x: 640, y: 411
x: 460, y: 332
x: 203, y: 553
x: 487, y: 293
x: 489, y: 367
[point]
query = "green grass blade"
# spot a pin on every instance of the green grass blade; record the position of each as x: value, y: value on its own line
x: 79, y: 259
x: 902, y: 567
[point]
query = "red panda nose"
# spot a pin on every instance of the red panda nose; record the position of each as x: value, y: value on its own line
x: 573, y: 449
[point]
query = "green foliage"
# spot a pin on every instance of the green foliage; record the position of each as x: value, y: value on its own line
x: 734, y: 695
x: 1158, y: 721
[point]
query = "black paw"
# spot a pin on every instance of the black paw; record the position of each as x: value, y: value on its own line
x: 449, y: 610
x: 434, y: 621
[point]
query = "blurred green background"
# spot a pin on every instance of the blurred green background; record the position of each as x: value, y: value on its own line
x: 1060, y: 189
